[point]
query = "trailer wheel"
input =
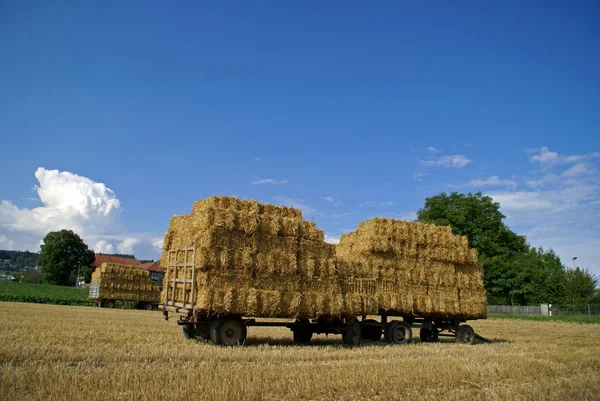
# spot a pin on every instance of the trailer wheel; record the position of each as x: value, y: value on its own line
x: 202, y: 331
x: 109, y: 304
x: 302, y: 335
x: 371, y: 330
x: 352, y: 334
x: 148, y: 306
x: 429, y: 335
x: 228, y: 331
x: 398, y: 333
x: 465, y: 334
x: 188, y: 331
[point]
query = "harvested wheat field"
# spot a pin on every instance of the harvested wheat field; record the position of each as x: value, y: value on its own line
x: 73, y: 353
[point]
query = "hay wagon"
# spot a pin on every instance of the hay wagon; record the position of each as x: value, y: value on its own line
x: 181, y: 292
x: 110, y: 300
x: 112, y: 282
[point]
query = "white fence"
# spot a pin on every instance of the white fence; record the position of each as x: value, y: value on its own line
x: 515, y: 310
x: 544, y: 310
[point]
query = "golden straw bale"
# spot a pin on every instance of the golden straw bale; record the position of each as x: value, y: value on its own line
x: 265, y: 260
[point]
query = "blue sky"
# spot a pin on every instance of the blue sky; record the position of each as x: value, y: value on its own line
x: 121, y: 115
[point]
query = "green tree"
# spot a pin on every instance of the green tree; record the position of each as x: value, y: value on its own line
x: 540, y: 278
x: 62, y: 254
x: 479, y: 218
x: 580, y: 286
x: 32, y: 276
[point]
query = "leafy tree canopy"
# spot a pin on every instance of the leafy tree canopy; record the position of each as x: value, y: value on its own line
x: 17, y: 260
x: 514, y: 272
x: 62, y: 254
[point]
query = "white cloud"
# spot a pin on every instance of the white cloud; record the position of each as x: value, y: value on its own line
x: 575, y: 170
x: 6, y: 243
x: 340, y: 215
x: 372, y: 203
x: 493, y: 181
x: 431, y: 149
x: 332, y: 200
x: 296, y: 203
x: 410, y: 216
x: 560, y: 207
x: 104, y: 246
x: 269, y: 181
x: 69, y: 201
x: 332, y: 240
x: 127, y: 244
x: 419, y: 174
x: 545, y: 156
x: 453, y: 161
x: 158, y: 243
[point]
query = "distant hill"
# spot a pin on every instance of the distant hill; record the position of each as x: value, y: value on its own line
x: 17, y: 260
x: 120, y: 255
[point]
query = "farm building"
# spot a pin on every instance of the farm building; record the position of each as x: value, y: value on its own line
x: 100, y: 258
x: 156, y: 272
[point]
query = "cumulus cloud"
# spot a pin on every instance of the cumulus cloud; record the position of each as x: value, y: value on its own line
x: 268, y: 181
x: 68, y: 201
x: 431, y: 149
x: 103, y: 246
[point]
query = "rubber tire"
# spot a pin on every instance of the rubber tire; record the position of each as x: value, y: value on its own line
x: 465, y: 334
x: 352, y: 334
x: 398, y: 332
x: 371, y: 330
x: 302, y: 336
x: 188, y: 331
x: 109, y: 304
x: 228, y: 331
x: 148, y: 307
x: 203, y: 331
x: 429, y: 335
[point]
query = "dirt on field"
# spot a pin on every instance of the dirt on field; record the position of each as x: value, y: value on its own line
x: 50, y: 352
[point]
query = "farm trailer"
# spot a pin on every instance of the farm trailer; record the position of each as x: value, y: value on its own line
x: 232, y: 329
x: 109, y: 301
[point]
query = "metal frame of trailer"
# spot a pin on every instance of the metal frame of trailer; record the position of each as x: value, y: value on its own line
x: 225, y: 329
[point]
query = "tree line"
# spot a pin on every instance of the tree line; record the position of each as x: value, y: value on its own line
x: 17, y: 260
x: 515, y: 272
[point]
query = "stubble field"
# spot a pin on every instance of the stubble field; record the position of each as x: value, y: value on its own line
x: 50, y: 352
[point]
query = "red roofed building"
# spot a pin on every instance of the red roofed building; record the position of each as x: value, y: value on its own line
x: 100, y: 258
x: 156, y: 272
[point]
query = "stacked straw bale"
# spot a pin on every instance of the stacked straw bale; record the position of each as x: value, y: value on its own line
x: 254, y: 259
x: 125, y: 283
x: 420, y: 269
x: 264, y: 260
